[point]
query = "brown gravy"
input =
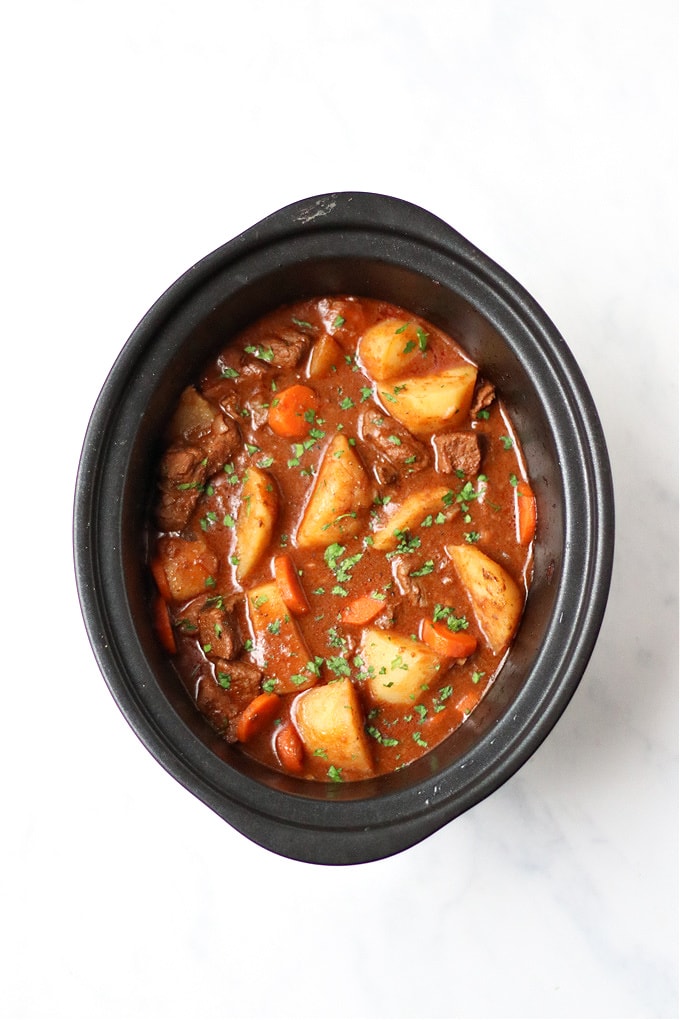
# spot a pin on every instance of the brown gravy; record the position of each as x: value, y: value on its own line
x: 343, y: 504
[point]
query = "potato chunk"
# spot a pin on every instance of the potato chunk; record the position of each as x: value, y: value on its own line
x: 255, y: 520
x: 342, y: 490
x: 325, y: 356
x: 329, y: 719
x: 496, y: 599
x: 388, y: 348
x: 399, y: 668
x: 409, y: 515
x: 193, y: 414
x: 428, y: 403
x: 188, y: 566
x: 278, y: 646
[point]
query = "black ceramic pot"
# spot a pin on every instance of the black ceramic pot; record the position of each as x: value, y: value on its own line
x: 379, y: 247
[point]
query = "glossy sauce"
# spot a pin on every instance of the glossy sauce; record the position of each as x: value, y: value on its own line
x: 412, y: 581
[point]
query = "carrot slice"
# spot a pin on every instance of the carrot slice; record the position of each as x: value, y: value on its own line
x: 256, y: 715
x: 361, y: 611
x: 161, y: 579
x: 290, y: 749
x: 525, y: 513
x: 163, y: 624
x: 291, y: 589
x: 291, y: 410
x: 448, y: 643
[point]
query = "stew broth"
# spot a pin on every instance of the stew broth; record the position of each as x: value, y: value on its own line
x: 342, y: 539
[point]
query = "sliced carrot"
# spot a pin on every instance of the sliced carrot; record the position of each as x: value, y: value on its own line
x: 161, y: 579
x: 291, y: 410
x: 163, y: 624
x: 448, y: 643
x: 291, y: 589
x: 256, y: 715
x: 361, y: 611
x: 525, y: 512
x: 290, y: 749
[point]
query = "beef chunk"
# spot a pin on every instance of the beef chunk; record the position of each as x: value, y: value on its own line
x: 392, y: 450
x: 186, y: 466
x: 222, y: 697
x: 180, y: 485
x: 219, y: 443
x: 284, y: 349
x: 408, y: 586
x: 484, y: 395
x: 458, y: 451
x: 216, y: 633
x: 212, y: 621
x: 385, y: 473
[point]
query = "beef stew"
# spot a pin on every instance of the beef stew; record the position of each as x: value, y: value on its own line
x: 341, y: 541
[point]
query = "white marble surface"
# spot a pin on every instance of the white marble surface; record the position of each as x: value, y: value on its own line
x: 140, y: 136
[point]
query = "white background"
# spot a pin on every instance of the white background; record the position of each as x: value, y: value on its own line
x: 139, y: 136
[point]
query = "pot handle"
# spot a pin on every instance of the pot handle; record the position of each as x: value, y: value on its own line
x: 355, y: 210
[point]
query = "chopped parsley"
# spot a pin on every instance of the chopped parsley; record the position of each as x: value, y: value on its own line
x: 422, y: 339
x: 183, y: 486
x: 374, y: 732
x: 398, y: 663
x: 342, y: 568
x: 338, y: 665
x: 427, y: 568
x: 230, y: 472
x: 453, y: 622
x: 406, y: 543
x: 441, y: 697
x: 263, y: 353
